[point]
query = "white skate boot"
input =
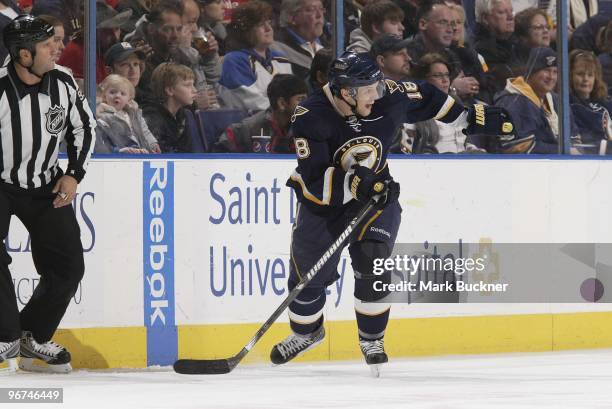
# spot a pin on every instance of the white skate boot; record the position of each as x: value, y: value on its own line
x: 34, y: 356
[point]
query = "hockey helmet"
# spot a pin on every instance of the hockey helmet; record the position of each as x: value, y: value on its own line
x: 352, y: 70
x: 24, y: 32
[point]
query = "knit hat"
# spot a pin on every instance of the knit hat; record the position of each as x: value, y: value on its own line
x: 539, y: 59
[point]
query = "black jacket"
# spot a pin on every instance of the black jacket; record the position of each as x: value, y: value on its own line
x: 171, y: 132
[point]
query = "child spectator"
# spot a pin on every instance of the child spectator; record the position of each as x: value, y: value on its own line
x: 121, y: 127
x: 173, y: 87
x: 268, y: 131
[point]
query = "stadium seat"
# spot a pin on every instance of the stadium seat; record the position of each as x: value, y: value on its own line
x: 195, y: 132
x: 214, y: 122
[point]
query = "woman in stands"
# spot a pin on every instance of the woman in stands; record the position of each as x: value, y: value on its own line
x: 433, y: 136
x: 249, y: 65
x: 589, y: 100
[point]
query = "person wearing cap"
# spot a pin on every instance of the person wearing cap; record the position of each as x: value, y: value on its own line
x: 531, y: 101
x: 108, y: 28
x: 392, y: 56
x: 125, y: 60
x: 377, y: 19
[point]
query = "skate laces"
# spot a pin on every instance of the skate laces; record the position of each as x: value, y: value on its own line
x: 49, y: 348
x: 372, y: 346
x: 293, y: 344
x: 5, y: 346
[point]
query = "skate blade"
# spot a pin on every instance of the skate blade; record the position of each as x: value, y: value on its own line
x: 375, y: 370
x: 32, y: 365
x: 9, y: 366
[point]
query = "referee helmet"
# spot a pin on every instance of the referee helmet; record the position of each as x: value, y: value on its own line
x: 24, y: 32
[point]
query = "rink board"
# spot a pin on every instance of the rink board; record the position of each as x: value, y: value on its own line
x: 186, y: 257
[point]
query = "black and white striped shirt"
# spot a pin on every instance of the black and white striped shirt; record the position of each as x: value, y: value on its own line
x: 34, y: 120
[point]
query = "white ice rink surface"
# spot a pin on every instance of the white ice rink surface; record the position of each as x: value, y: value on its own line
x: 575, y: 379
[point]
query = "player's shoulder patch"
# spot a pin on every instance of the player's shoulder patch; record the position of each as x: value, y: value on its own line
x: 299, y: 111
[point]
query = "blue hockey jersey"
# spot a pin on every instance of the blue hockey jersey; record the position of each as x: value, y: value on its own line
x: 328, y: 144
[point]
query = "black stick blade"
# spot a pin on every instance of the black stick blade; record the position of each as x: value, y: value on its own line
x: 203, y: 366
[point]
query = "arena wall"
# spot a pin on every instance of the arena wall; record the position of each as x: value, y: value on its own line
x: 187, y: 257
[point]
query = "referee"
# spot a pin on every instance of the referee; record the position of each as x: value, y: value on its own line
x: 40, y: 106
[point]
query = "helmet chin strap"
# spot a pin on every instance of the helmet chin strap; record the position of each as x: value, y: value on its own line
x: 29, y: 69
x: 353, y: 107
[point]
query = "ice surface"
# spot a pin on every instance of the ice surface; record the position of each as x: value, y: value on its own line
x: 574, y: 379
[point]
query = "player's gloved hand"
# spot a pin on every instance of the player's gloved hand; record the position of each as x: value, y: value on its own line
x: 390, y: 195
x: 364, y: 183
x: 488, y: 120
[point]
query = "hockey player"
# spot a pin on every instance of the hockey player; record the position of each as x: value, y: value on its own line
x: 342, y: 136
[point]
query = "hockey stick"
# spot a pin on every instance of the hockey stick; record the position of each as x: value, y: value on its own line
x: 222, y: 366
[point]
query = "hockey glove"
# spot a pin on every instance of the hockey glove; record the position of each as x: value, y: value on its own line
x: 390, y: 195
x: 365, y: 184
x: 488, y: 120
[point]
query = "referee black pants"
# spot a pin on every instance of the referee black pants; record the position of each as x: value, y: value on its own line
x: 58, y: 257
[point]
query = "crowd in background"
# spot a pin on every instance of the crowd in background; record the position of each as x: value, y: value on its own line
x: 170, y: 71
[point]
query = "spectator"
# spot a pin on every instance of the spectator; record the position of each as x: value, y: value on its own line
x: 138, y: 8
x: 108, y: 23
x: 435, y: 136
x: 121, y: 127
x: 604, y: 45
x: 585, y: 35
x: 8, y: 12
x: 69, y: 11
x: 125, y: 60
x: 317, y: 77
x: 579, y: 12
x: 299, y: 39
x: 589, y: 99
x: 493, y: 38
x: 173, y: 87
x: 531, y: 30
x: 59, y: 35
x: 410, y: 22
x: 161, y: 30
x: 531, y: 102
x: 285, y: 92
x: 377, y: 19
x: 211, y: 20
x: 250, y: 64
x: 472, y: 64
x: 392, y: 57
x: 436, y: 22
x: 201, y: 50
x: 205, y: 49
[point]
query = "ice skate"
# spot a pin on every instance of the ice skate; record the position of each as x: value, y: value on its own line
x: 374, y: 354
x: 46, y: 357
x: 9, y: 351
x: 295, y: 345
